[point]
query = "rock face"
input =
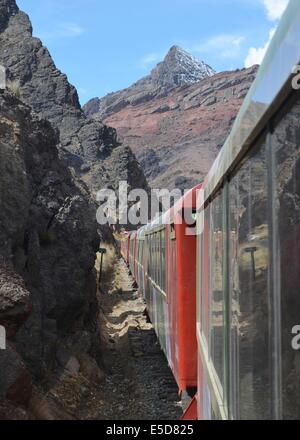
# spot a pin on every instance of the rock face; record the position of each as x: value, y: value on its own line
x: 15, y: 307
x: 177, y: 131
x: 48, y: 239
x: 48, y: 229
x: 84, y: 143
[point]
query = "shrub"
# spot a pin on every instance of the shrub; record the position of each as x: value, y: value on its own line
x: 14, y: 87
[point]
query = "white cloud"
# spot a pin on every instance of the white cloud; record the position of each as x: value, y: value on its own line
x: 275, y: 8
x: 82, y: 91
x: 224, y: 45
x: 63, y: 30
x: 256, y: 55
x: 149, y: 59
x: 71, y: 30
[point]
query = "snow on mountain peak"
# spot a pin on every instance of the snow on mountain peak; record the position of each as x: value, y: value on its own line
x: 180, y: 68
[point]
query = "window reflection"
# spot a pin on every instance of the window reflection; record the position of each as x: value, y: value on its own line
x: 216, y: 292
x: 286, y: 147
x: 249, y: 261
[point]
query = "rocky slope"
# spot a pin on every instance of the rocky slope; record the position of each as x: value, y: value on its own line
x: 48, y: 239
x: 175, y: 131
x: 48, y: 230
x: 83, y: 143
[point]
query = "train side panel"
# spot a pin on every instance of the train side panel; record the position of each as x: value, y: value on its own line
x: 249, y: 302
x: 172, y: 291
x: 156, y: 296
x: 186, y: 303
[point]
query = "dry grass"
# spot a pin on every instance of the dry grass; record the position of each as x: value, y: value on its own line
x: 14, y: 87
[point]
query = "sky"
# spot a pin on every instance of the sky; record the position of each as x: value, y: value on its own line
x: 106, y: 45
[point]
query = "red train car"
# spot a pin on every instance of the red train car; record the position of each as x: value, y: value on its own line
x: 181, y: 288
x: 124, y: 246
x: 248, y: 252
x: 132, y: 253
x: 170, y: 286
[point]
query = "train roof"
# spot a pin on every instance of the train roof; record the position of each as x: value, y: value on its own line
x: 142, y: 232
x: 187, y: 201
x: 132, y: 235
x: 272, y: 85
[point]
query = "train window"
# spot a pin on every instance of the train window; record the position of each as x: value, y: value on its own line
x: 250, y: 360
x: 159, y: 257
x: 156, y: 257
x: 285, y: 143
x: 216, y: 287
x: 152, y: 256
x: 162, y: 259
x: 158, y: 260
x: 163, y: 245
x: 205, y: 276
x: 149, y: 256
x: 142, y: 252
x: 172, y: 232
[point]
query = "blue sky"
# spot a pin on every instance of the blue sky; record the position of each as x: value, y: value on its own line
x: 106, y: 45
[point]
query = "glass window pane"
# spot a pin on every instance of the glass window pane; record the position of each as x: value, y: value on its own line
x: 205, y: 275
x: 216, y: 284
x: 286, y: 147
x: 250, y: 367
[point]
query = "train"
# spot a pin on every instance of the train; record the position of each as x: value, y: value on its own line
x: 225, y: 300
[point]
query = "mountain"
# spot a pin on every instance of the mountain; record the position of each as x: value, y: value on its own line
x: 83, y: 143
x: 48, y: 230
x: 178, y: 69
x: 176, y: 119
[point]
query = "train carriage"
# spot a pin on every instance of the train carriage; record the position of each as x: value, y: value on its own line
x: 141, y: 259
x: 248, y: 263
x: 132, y: 253
x: 170, y: 288
x: 124, y: 245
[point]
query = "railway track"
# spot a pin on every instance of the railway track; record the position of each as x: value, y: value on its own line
x: 140, y: 376
x: 151, y: 362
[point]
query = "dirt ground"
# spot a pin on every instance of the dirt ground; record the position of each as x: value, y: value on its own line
x: 135, y: 382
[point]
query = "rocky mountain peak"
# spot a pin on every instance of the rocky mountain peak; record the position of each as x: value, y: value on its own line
x: 175, y: 133
x: 180, y: 68
x: 87, y: 146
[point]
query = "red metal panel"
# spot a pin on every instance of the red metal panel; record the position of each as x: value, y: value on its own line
x: 128, y: 249
x: 191, y: 412
x: 134, y: 256
x: 186, y: 248
x: 181, y: 293
x: 172, y: 292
